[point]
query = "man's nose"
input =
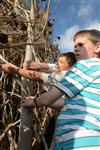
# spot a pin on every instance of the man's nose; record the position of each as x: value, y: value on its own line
x: 76, y: 50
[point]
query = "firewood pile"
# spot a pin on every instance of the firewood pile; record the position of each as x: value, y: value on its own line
x: 13, y: 41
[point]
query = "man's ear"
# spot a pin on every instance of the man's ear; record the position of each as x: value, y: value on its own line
x: 97, y: 50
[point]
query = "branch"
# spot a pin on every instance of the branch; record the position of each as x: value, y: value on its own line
x: 2, y: 46
x: 18, y: 45
x: 2, y: 105
x: 19, y: 7
x: 7, y: 129
x: 14, y: 94
x: 3, y: 61
x: 44, y: 142
x: 47, y: 15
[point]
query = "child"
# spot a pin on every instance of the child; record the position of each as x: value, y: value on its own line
x: 78, y: 124
x: 64, y: 62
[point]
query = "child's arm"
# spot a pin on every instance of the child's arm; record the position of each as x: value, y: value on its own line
x: 7, y: 67
x: 3, y: 61
x: 30, y: 74
x: 38, y: 65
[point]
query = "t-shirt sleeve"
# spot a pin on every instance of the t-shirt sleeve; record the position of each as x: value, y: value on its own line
x: 76, y: 79
x: 49, y: 78
x: 51, y: 66
x: 45, y: 77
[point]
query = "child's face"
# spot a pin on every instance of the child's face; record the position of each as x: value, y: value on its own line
x: 84, y: 48
x: 62, y: 64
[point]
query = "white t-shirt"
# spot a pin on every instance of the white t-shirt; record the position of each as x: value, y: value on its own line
x: 54, y: 77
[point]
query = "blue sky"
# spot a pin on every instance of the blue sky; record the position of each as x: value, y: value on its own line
x: 71, y: 16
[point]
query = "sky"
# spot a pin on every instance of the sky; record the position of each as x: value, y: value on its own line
x: 71, y: 16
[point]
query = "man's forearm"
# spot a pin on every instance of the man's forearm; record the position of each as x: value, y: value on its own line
x: 58, y: 104
x: 49, y: 98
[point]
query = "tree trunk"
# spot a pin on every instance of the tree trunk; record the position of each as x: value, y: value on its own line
x: 25, y: 135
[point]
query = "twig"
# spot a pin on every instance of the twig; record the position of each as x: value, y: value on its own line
x: 45, y: 21
x: 44, y: 142
x: 2, y: 105
x: 7, y: 129
x: 14, y: 94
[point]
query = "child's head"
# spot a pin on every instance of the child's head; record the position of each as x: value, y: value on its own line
x: 87, y: 44
x: 65, y: 61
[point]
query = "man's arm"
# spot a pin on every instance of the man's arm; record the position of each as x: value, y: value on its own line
x: 58, y: 104
x: 46, y: 99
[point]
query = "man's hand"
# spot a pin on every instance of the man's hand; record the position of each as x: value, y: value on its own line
x: 28, y: 101
x: 30, y: 64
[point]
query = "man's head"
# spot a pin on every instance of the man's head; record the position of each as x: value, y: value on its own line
x: 87, y: 44
x: 65, y: 61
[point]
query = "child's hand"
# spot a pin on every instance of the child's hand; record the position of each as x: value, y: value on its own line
x: 30, y: 65
x: 27, y: 101
x: 27, y: 64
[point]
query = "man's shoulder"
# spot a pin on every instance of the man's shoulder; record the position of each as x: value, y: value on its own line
x: 89, y: 62
x: 81, y: 63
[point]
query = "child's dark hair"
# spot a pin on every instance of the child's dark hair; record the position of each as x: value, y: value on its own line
x: 70, y: 56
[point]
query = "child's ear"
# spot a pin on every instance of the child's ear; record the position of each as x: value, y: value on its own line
x: 97, y: 50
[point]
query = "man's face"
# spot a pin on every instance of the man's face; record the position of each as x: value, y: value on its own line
x: 62, y: 64
x: 84, y: 48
